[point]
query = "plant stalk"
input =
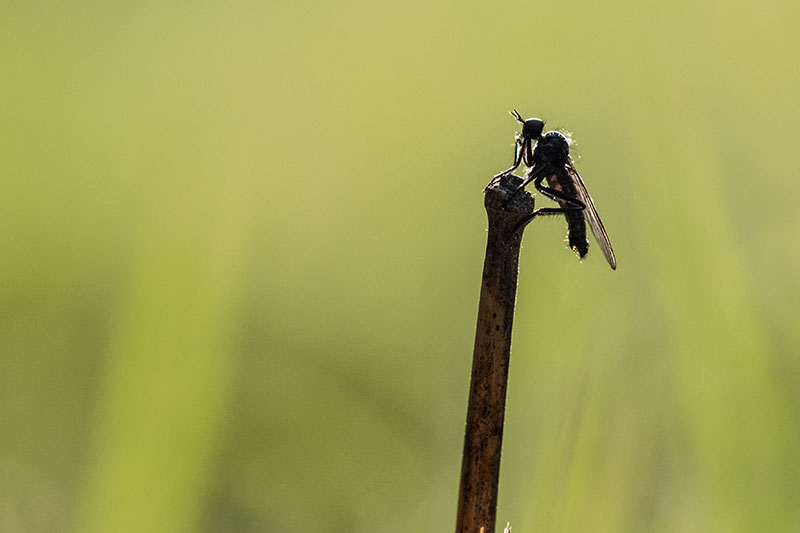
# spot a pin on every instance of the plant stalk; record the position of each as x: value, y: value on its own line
x: 508, y: 213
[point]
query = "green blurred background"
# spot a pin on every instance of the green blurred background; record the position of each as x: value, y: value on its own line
x: 242, y: 245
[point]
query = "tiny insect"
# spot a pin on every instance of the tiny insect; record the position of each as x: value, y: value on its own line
x: 550, y: 161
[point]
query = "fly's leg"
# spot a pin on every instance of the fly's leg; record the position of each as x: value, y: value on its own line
x: 553, y: 194
x: 519, y: 151
x: 527, y: 157
x: 573, y: 204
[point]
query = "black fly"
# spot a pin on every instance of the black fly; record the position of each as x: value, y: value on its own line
x: 550, y: 161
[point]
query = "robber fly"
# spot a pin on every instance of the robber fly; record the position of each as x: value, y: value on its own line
x: 550, y: 161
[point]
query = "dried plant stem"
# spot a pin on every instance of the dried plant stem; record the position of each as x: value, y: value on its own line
x: 508, y: 215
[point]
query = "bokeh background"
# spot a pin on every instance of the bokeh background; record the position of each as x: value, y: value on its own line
x: 242, y: 245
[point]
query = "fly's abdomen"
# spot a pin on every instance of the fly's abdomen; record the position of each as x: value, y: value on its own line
x: 576, y: 223
x: 577, y: 232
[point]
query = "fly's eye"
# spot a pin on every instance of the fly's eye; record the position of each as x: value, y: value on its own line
x: 532, y: 128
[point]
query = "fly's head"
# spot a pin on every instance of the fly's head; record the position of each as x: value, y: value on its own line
x: 531, y: 128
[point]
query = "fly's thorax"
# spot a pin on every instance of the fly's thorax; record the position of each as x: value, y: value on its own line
x: 552, y: 148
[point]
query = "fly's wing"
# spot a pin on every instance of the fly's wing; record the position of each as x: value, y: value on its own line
x: 592, y: 217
